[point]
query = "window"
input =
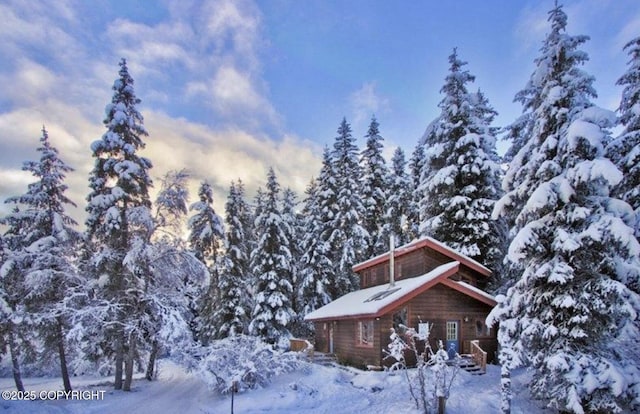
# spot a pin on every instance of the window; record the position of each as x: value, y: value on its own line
x: 452, y: 331
x: 482, y: 330
x: 401, y: 320
x: 382, y: 295
x: 364, y: 334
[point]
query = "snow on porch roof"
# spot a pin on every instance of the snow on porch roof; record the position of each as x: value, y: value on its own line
x: 425, y: 242
x: 378, y: 300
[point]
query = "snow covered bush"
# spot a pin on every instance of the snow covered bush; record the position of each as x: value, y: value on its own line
x: 244, y: 359
x: 431, y: 380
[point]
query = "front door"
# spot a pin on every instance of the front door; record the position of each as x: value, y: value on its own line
x: 452, y: 339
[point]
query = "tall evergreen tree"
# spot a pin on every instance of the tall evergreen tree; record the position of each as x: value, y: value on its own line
x: 460, y: 178
x: 16, y: 327
x: 119, y: 214
x: 416, y: 164
x: 374, y: 188
x: 321, y: 205
x: 572, y: 314
x: 205, y: 227
x: 205, y: 238
x: 48, y: 240
x: 233, y: 314
x: 625, y: 149
x: 315, y: 264
x: 294, y: 224
x: 346, y: 235
x: 271, y: 265
x: 326, y: 194
x: 171, y: 206
x: 7, y: 313
x: 399, y: 201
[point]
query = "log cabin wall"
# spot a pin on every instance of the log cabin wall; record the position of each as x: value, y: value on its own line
x: 416, y: 263
x: 437, y: 306
x: 441, y: 304
x: 346, y: 350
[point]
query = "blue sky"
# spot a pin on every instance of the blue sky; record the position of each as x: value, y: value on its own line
x: 230, y: 88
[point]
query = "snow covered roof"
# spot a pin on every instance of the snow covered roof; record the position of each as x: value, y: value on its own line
x: 426, y: 242
x: 378, y: 300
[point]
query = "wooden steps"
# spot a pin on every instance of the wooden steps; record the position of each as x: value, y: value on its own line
x: 467, y: 363
x: 323, y: 359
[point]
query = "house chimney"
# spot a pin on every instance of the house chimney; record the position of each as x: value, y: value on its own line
x: 392, y: 247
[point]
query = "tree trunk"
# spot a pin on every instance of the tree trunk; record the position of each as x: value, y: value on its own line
x: 128, y: 364
x: 505, y: 389
x: 442, y: 403
x: 117, y: 383
x: 152, y: 360
x: 63, y: 357
x: 15, y: 360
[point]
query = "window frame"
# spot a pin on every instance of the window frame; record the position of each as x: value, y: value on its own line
x: 482, y: 330
x: 362, y: 328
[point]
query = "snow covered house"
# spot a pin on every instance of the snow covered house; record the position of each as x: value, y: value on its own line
x: 430, y: 283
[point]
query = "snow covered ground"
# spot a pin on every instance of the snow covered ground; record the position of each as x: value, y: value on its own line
x: 314, y: 389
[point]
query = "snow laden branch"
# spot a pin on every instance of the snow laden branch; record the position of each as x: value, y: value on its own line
x: 431, y: 379
x: 244, y: 360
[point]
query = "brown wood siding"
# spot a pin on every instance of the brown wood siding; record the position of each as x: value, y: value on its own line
x: 436, y: 306
x: 409, y: 265
x: 441, y: 304
x: 414, y: 264
x: 345, y: 345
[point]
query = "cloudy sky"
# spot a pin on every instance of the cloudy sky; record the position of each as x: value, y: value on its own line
x: 231, y: 87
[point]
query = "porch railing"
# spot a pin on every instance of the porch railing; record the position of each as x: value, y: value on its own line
x: 479, y: 356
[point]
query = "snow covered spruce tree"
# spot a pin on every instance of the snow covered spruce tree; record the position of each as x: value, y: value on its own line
x: 572, y: 314
x: 16, y: 336
x: 271, y: 265
x: 315, y: 264
x: 171, y: 207
x: 344, y: 232
x: 416, y: 164
x: 119, y: 216
x: 625, y: 149
x: 234, y: 310
x: 205, y: 238
x: 45, y: 252
x: 400, y: 199
x: 374, y: 188
x: 205, y: 227
x: 294, y: 222
x: 460, y: 177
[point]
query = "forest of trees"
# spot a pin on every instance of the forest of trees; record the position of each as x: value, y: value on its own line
x: 557, y: 218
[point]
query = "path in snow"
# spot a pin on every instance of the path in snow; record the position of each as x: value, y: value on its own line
x: 315, y: 389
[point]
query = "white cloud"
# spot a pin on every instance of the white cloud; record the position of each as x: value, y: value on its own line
x: 530, y: 27
x: 628, y: 32
x: 222, y: 156
x: 366, y: 102
x: 208, y: 53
